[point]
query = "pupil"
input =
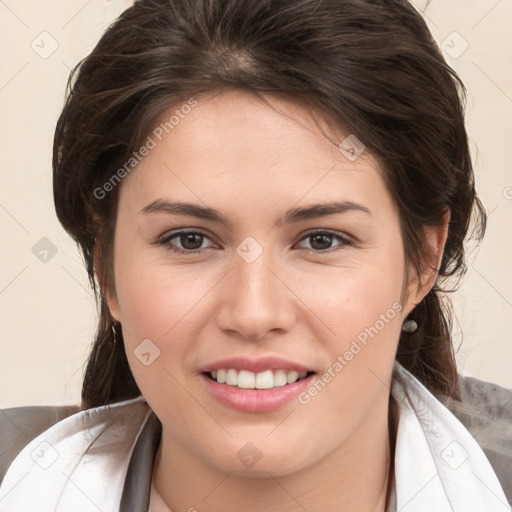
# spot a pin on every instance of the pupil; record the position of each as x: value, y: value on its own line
x: 324, y: 238
x: 189, y: 237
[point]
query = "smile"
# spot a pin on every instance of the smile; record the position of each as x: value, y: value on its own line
x: 245, y: 379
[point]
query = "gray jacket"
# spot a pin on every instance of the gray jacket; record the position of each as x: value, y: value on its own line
x: 486, y: 411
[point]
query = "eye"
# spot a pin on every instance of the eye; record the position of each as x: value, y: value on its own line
x: 191, y: 241
x: 322, y: 240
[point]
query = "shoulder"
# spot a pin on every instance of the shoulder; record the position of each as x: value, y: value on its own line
x: 19, y: 425
x: 486, y: 411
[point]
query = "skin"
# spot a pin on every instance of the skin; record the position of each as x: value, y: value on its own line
x: 234, y: 153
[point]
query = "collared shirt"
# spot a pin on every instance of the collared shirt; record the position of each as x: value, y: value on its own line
x: 102, y: 459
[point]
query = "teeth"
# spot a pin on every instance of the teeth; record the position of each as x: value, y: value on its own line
x: 280, y: 378
x: 232, y: 377
x: 245, y: 379
x: 264, y: 380
x: 292, y: 377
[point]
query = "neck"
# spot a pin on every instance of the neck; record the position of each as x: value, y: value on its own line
x: 353, y: 477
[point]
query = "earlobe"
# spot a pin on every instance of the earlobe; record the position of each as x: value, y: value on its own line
x: 110, y: 299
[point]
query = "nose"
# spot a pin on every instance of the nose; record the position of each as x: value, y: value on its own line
x: 255, y: 300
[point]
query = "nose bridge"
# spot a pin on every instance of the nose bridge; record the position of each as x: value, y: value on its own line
x: 256, y: 299
x: 255, y: 283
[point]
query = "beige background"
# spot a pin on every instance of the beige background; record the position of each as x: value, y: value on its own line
x: 47, y: 311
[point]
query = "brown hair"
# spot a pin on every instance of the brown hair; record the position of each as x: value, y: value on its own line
x: 372, y: 64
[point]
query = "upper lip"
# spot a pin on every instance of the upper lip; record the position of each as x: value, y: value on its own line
x: 255, y: 365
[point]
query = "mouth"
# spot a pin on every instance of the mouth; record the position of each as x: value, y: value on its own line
x: 262, y: 384
x: 267, y: 379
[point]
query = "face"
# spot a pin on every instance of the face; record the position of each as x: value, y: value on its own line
x: 267, y: 288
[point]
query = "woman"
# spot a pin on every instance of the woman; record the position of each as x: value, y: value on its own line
x: 269, y: 197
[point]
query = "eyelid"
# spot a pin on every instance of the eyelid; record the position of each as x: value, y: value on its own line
x: 182, y: 231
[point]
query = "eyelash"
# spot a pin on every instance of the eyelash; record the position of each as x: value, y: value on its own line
x: 165, y: 241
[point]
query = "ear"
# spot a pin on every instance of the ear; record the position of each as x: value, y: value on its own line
x: 436, y: 239
x: 111, y: 300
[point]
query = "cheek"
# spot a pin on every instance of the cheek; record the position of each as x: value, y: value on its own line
x: 156, y: 303
x: 363, y: 312
x: 152, y: 300
x: 353, y: 298
x: 160, y: 306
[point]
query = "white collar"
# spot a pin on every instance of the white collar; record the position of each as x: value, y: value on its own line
x: 80, y: 463
x: 438, y: 464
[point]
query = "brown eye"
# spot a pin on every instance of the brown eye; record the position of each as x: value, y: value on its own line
x: 322, y: 240
x: 190, y: 241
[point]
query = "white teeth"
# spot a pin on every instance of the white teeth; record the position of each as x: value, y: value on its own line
x: 232, y: 377
x: 292, y: 377
x: 264, y: 380
x: 267, y: 379
x: 280, y: 378
x: 246, y: 379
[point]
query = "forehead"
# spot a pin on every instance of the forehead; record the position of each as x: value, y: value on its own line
x: 241, y: 120
x: 235, y: 146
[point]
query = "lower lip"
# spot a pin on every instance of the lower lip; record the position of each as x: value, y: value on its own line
x: 256, y: 400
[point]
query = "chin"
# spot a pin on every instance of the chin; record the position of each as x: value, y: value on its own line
x: 251, y: 462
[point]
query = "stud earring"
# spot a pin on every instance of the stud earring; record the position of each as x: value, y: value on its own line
x: 410, y: 326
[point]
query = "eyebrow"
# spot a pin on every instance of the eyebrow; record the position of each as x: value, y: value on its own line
x: 292, y: 215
